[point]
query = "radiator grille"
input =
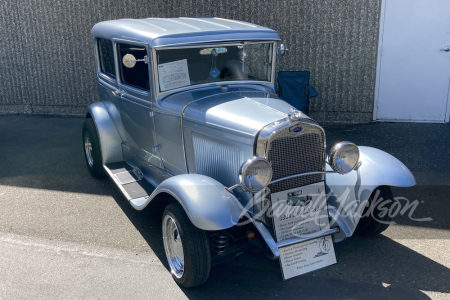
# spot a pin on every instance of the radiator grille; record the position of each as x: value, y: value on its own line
x: 291, y: 153
x: 295, y: 155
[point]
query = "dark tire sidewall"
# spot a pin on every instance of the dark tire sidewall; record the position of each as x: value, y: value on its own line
x: 190, y: 237
x: 96, y: 169
x: 370, y: 226
x: 187, y: 266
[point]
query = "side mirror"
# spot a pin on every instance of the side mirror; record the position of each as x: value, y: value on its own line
x: 282, y: 50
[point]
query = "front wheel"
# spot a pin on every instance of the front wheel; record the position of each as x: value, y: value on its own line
x: 186, y: 247
x: 376, y: 218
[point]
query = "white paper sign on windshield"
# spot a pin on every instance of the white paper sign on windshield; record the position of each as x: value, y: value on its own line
x: 173, y: 75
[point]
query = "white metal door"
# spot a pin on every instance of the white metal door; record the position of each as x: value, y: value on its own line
x: 413, y: 73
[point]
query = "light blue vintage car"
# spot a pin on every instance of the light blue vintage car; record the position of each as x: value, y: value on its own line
x: 188, y: 118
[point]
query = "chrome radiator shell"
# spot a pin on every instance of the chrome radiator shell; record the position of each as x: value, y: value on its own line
x: 290, y: 153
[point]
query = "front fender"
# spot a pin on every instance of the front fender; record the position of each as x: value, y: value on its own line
x: 110, y: 140
x: 348, y: 193
x: 207, y: 203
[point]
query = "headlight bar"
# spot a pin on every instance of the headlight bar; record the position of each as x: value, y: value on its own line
x: 335, y: 154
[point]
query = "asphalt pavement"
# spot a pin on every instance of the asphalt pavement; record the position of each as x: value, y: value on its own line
x: 64, y: 234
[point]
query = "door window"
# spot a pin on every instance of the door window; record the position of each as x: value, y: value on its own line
x: 106, y: 57
x: 133, y: 66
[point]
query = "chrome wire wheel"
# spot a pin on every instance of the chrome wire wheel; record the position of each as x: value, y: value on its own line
x: 88, y: 149
x: 173, y: 246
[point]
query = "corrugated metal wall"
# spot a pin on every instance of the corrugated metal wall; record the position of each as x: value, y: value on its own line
x: 46, y: 64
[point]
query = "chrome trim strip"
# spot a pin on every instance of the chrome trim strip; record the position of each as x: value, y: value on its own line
x: 309, y: 237
x: 266, y: 106
x: 303, y: 174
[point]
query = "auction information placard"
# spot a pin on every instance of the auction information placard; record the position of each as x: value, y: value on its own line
x: 297, y: 213
x: 173, y: 75
x: 308, y: 256
x: 300, y: 212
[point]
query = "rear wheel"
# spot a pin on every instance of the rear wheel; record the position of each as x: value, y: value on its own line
x: 186, y: 247
x: 91, y: 147
x: 374, y: 220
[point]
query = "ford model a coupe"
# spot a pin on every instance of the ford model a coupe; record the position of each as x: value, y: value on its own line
x: 189, y: 119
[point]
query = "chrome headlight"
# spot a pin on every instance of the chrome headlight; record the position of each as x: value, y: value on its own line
x: 344, y: 157
x: 255, y: 174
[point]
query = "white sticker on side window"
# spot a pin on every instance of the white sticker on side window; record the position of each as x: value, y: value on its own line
x: 173, y: 75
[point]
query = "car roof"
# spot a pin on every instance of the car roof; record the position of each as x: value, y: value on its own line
x: 159, y: 32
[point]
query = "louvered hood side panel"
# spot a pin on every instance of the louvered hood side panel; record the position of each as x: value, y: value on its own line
x: 217, y: 160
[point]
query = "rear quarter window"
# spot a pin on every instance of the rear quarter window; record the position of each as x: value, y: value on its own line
x: 106, y: 57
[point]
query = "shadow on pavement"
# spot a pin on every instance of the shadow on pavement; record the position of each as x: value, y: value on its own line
x: 45, y: 153
x: 363, y: 267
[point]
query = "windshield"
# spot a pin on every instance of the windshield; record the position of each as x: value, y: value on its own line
x: 190, y: 66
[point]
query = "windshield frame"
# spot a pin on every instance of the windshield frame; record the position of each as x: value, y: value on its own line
x: 216, y: 83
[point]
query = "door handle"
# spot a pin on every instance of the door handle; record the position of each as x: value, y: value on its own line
x: 446, y: 49
x: 116, y: 93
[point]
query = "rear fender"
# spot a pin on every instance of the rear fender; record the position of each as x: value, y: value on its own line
x: 110, y: 140
x: 207, y: 203
x: 348, y: 193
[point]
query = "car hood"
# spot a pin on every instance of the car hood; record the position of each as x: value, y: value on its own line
x: 240, y: 110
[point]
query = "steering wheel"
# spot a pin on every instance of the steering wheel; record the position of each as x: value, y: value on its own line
x: 233, y: 70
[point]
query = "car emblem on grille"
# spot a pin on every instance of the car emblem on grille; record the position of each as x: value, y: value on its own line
x: 296, y: 129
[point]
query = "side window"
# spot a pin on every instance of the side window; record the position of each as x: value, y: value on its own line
x: 106, y: 56
x: 134, y: 73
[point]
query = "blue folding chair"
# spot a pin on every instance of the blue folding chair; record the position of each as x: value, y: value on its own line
x: 295, y: 89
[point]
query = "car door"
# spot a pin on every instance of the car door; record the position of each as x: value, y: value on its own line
x: 135, y: 105
x: 108, y: 87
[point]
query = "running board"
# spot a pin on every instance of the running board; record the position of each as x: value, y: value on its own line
x: 130, y: 181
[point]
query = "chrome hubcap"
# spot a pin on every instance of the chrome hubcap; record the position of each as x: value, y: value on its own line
x: 173, y: 246
x: 88, y: 149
